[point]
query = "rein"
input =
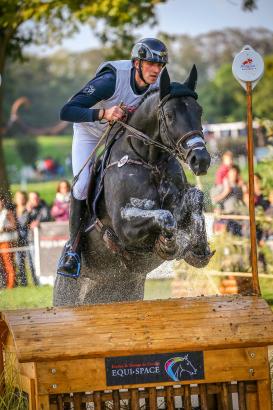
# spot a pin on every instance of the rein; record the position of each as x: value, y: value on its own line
x: 176, y: 149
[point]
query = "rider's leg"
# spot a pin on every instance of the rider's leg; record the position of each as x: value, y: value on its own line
x: 70, y: 262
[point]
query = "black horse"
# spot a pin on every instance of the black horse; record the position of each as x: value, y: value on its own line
x: 148, y: 212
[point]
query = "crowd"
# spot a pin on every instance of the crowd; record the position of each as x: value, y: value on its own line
x: 17, y: 221
x: 230, y: 196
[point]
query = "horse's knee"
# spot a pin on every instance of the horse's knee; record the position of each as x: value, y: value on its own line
x: 194, y: 199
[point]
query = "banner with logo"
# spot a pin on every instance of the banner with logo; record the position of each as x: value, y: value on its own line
x: 49, y: 240
x: 165, y: 367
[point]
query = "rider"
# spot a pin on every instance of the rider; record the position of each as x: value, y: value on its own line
x: 125, y: 81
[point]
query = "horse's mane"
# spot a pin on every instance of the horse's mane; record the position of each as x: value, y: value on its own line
x: 148, y: 94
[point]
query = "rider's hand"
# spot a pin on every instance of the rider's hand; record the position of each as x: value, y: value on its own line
x: 113, y: 114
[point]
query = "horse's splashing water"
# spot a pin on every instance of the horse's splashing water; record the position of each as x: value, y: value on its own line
x: 147, y: 203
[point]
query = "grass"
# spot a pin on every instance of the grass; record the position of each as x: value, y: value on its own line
x: 12, y: 397
x: 41, y: 296
x: 58, y: 147
x: 26, y: 297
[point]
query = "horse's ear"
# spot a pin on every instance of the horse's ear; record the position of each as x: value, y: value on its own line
x: 165, y: 83
x: 191, y: 81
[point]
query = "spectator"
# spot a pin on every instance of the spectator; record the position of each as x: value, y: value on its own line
x: 259, y: 198
x: 38, y: 210
x: 269, y: 214
x: 262, y: 202
x: 259, y: 201
x: 8, y: 236
x: 22, y: 220
x: 60, y: 208
x: 229, y: 198
x: 222, y: 171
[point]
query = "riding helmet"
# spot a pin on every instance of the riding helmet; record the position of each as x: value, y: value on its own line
x: 150, y: 49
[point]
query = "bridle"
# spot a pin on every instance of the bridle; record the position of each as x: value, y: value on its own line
x: 176, y: 148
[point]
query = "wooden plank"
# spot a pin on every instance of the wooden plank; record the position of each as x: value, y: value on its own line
x: 252, y: 401
x: 116, y: 400
x: 220, y: 366
x: 77, y: 400
x: 187, y: 398
x: 60, y: 402
x: 97, y: 400
x: 134, y: 399
x: 225, y: 396
x: 241, y: 396
x: 2, y: 375
x: 152, y: 398
x: 28, y: 369
x: 264, y: 394
x: 28, y: 386
x: 42, y: 402
x: 203, y: 397
x: 118, y: 329
x: 170, y: 398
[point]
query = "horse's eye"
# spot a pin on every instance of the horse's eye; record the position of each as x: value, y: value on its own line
x: 169, y: 116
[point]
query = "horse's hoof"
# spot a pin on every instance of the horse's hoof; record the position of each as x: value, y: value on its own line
x: 166, y: 248
x: 196, y: 260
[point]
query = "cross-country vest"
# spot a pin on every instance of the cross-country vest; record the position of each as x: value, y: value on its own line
x: 123, y: 93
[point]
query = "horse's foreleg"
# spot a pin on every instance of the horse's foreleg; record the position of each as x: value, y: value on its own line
x: 196, y: 250
x: 140, y: 220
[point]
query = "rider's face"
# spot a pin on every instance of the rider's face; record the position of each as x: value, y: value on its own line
x: 150, y: 71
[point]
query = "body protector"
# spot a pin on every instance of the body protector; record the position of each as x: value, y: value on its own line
x: 123, y: 92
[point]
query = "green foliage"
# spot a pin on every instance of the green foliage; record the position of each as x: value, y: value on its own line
x: 232, y: 254
x: 264, y: 168
x: 26, y: 297
x: 27, y: 149
x: 12, y: 398
x: 223, y: 98
x: 25, y: 22
x: 53, y: 81
x: 262, y: 94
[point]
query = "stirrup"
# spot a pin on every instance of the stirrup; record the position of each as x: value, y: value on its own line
x: 78, y: 262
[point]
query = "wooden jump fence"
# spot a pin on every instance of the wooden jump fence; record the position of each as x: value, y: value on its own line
x: 195, y: 353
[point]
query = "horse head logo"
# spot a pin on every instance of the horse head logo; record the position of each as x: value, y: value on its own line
x: 248, y: 61
x: 176, y: 366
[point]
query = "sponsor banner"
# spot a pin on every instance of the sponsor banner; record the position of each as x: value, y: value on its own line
x: 51, y: 240
x: 165, y: 367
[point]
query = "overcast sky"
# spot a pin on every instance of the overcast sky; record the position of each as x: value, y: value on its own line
x: 184, y: 17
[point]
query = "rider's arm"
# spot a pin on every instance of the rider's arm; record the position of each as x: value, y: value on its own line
x: 77, y: 109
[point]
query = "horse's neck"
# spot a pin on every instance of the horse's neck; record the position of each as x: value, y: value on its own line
x: 145, y: 120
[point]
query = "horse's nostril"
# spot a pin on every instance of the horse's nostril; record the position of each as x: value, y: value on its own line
x: 193, y: 160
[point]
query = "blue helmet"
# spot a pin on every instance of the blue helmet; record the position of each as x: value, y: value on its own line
x: 150, y: 49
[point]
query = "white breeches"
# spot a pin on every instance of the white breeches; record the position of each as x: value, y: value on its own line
x: 82, y: 146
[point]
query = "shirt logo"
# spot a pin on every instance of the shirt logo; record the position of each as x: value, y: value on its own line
x: 89, y: 89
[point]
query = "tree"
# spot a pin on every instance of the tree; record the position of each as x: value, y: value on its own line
x: 26, y: 21
x: 262, y: 94
x: 249, y: 5
x: 223, y: 97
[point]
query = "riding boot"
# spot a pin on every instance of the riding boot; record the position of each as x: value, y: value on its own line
x: 70, y: 261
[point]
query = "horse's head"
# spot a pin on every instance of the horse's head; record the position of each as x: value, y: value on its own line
x: 180, y: 121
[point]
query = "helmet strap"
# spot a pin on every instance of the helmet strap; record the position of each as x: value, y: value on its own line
x: 141, y: 73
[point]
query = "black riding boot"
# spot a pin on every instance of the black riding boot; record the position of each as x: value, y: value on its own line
x: 70, y: 262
